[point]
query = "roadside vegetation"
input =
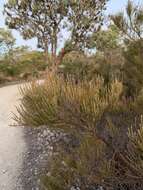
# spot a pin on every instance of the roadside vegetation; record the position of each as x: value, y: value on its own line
x: 18, y: 63
x: 95, y: 100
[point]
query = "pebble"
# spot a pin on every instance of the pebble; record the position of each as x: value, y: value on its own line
x: 36, y: 158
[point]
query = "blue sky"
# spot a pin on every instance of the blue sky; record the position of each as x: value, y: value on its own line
x: 113, y: 7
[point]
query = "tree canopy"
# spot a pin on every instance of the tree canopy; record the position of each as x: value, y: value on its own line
x: 46, y: 19
x: 106, y: 39
x: 130, y: 22
x: 6, y: 40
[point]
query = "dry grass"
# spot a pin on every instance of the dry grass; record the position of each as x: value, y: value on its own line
x: 76, y: 108
x: 62, y: 103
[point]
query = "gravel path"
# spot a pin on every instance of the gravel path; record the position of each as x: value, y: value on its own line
x: 23, y: 152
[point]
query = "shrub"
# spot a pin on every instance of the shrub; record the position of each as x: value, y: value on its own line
x: 109, y: 149
x: 21, y: 64
x: 97, y: 164
x: 75, y: 65
x: 133, y: 68
x: 58, y: 100
x: 106, y: 153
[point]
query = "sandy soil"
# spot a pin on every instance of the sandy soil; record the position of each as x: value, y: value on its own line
x: 24, y: 152
x: 12, y: 144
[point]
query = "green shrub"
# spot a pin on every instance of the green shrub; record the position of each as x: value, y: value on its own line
x: 94, y: 165
x: 109, y: 153
x: 82, y: 67
x: 24, y: 63
x: 133, y: 68
x: 58, y: 99
x: 75, y: 65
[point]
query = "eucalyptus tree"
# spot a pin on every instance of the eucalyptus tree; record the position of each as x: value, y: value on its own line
x: 46, y: 19
x: 7, y: 40
x: 41, y: 19
x: 86, y: 17
x: 106, y: 40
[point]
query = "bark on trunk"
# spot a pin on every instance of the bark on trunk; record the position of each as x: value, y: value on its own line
x: 46, y: 52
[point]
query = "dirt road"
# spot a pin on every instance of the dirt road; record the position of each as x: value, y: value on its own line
x: 12, y: 144
x: 23, y: 152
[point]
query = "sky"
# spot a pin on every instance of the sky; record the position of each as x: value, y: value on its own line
x: 112, y: 7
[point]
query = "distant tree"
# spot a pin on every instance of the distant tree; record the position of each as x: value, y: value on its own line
x: 6, y: 40
x: 106, y: 40
x: 46, y: 20
x: 13, y: 55
x: 109, y: 53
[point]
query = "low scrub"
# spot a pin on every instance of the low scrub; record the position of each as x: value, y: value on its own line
x: 22, y: 65
x: 57, y: 102
x: 109, y: 148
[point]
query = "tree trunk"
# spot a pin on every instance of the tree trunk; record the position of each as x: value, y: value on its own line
x: 54, y: 47
x: 61, y: 56
x: 46, y: 51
